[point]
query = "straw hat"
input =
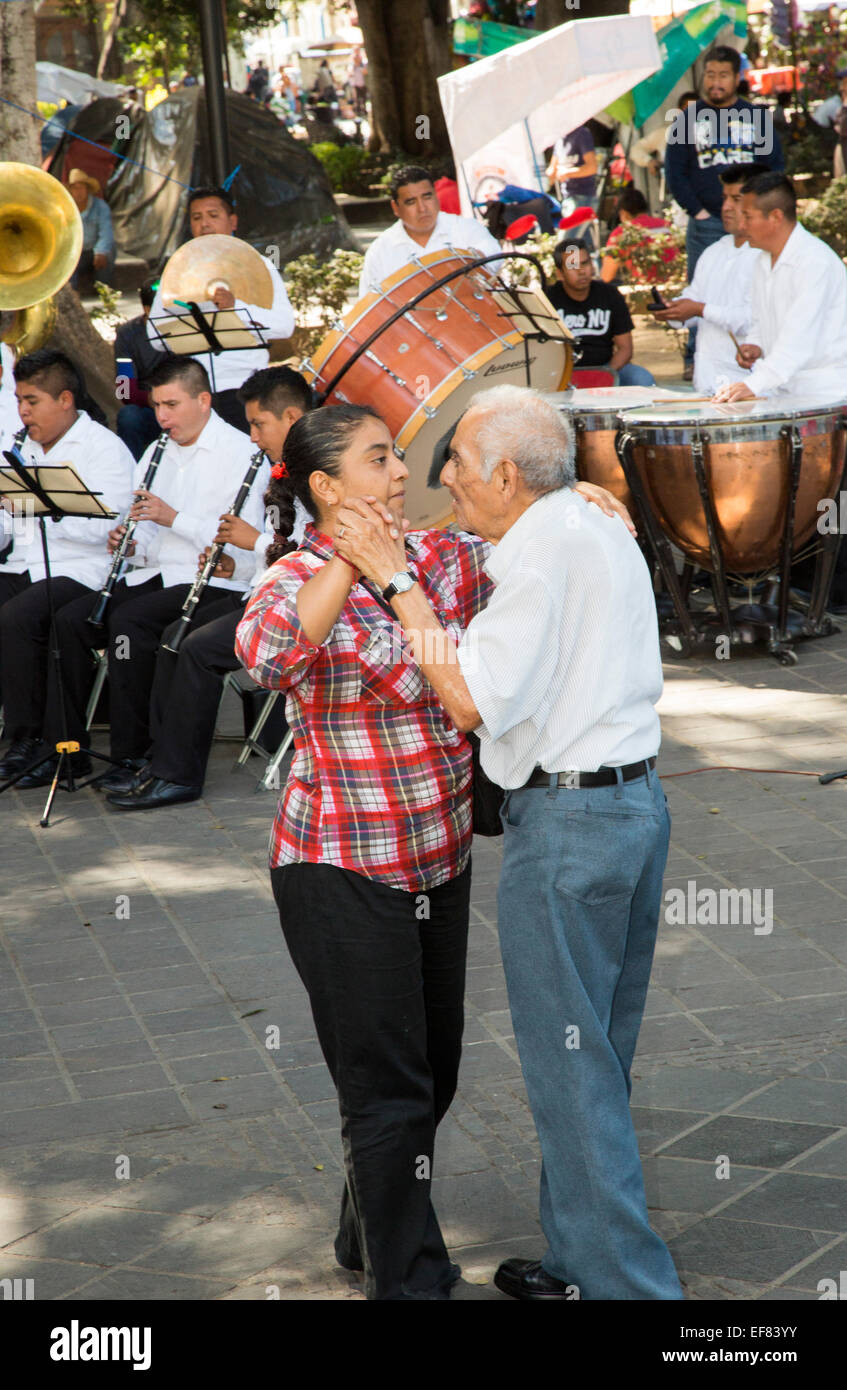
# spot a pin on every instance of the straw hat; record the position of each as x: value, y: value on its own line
x: 80, y: 176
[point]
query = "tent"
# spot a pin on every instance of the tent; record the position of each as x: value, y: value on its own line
x: 285, y: 203
x: 504, y: 110
x: 681, y: 42
x: 55, y: 83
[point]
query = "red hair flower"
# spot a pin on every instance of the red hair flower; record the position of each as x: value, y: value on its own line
x: 279, y: 470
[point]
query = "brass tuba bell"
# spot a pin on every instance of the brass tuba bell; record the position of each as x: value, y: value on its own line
x: 40, y: 242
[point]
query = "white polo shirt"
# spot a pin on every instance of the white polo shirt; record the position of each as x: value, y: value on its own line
x: 200, y: 481
x: 394, y: 248
x: 800, y: 321
x: 563, y: 664
x: 76, y: 545
x: 228, y: 370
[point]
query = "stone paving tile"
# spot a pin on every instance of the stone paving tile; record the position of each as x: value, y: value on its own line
x: 743, y: 1051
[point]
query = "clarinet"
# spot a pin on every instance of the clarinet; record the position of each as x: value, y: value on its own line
x: 14, y: 454
x: 98, y: 613
x: 210, y: 565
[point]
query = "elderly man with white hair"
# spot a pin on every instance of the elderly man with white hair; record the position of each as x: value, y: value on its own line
x: 559, y: 675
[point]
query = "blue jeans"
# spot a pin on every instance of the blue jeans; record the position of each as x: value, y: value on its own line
x: 700, y: 233
x: 578, y: 903
x: 136, y: 426
x: 630, y: 374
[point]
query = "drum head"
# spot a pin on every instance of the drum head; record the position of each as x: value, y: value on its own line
x: 548, y: 364
x: 777, y: 408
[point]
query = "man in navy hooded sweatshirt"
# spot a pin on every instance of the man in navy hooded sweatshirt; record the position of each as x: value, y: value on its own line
x: 719, y: 129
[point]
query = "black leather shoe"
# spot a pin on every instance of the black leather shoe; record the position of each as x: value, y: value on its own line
x: 42, y: 775
x: 526, y: 1279
x: 120, y: 779
x: 18, y: 756
x: 155, y: 792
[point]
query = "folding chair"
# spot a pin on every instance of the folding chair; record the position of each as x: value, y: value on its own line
x: 101, y: 670
x: 251, y: 740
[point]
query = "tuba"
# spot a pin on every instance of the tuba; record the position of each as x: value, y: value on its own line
x: 40, y: 242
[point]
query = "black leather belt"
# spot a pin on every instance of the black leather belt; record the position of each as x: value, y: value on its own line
x: 604, y: 777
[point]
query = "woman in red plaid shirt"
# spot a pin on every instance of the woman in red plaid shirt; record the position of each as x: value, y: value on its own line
x: 370, y: 850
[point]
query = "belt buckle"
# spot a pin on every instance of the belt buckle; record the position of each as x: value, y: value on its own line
x: 571, y: 782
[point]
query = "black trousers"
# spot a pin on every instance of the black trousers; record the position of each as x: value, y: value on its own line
x: 24, y: 655
x: 229, y: 407
x: 136, y: 619
x: 386, y: 984
x: 187, y: 691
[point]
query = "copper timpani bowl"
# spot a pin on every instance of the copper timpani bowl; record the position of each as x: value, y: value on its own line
x: 746, y: 449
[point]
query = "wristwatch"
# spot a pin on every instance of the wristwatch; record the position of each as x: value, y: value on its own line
x: 399, y: 584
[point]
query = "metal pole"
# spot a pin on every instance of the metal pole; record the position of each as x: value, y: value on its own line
x: 211, y: 42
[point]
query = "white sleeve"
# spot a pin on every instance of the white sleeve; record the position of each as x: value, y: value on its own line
x: 278, y: 321
x: 369, y: 279
x: 797, y: 343
x: 107, y: 470
x: 157, y: 311
x: 510, y: 652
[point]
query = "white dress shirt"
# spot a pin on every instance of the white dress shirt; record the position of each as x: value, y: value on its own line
x: 10, y: 420
x: 563, y: 664
x: 723, y: 283
x: 268, y: 536
x: 394, y: 248
x: 800, y: 321
x: 200, y: 481
x: 76, y: 545
x: 228, y: 370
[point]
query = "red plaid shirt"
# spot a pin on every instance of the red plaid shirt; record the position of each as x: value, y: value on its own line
x: 381, y: 780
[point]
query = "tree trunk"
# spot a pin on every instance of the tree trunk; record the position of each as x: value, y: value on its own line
x: 19, y: 141
x: 19, y: 133
x: 108, y: 46
x: 408, y: 46
x: 550, y: 13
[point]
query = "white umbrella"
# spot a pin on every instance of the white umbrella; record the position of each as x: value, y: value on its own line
x: 502, y: 111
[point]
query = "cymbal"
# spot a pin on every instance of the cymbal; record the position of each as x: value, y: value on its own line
x: 196, y: 269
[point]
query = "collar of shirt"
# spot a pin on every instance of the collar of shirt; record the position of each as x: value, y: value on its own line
x: 441, y: 228
x: 75, y: 435
x: 793, y: 252
x: 508, y: 548
x: 208, y: 440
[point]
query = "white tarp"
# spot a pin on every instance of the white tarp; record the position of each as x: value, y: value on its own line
x: 55, y: 83
x: 502, y: 111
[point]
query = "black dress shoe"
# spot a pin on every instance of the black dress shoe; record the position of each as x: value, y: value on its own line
x: 18, y: 756
x: 152, y: 793
x: 526, y: 1279
x: 42, y: 775
x: 122, y: 778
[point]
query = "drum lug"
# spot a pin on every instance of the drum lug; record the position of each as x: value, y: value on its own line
x: 441, y: 315
x: 429, y: 411
x: 467, y: 374
x: 399, y: 453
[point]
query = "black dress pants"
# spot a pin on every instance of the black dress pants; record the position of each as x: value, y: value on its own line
x: 229, y: 407
x: 77, y: 641
x: 24, y: 649
x: 187, y: 691
x: 385, y: 973
x: 136, y: 619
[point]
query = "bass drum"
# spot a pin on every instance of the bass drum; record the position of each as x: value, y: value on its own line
x: 464, y: 334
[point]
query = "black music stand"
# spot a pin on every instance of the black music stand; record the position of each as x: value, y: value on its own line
x: 203, y: 328
x: 53, y: 491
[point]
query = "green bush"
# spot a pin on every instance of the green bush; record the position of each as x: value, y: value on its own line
x: 826, y: 217
x: 318, y: 291
x: 807, y: 151
x: 350, y: 168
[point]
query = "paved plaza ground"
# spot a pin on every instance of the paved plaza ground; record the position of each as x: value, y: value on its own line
x: 152, y: 1146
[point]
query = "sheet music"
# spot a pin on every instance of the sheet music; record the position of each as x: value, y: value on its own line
x: 59, y: 481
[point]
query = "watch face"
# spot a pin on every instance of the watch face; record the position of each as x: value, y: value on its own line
x: 402, y: 582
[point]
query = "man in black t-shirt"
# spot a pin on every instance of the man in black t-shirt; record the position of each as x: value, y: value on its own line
x: 596, y: 314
